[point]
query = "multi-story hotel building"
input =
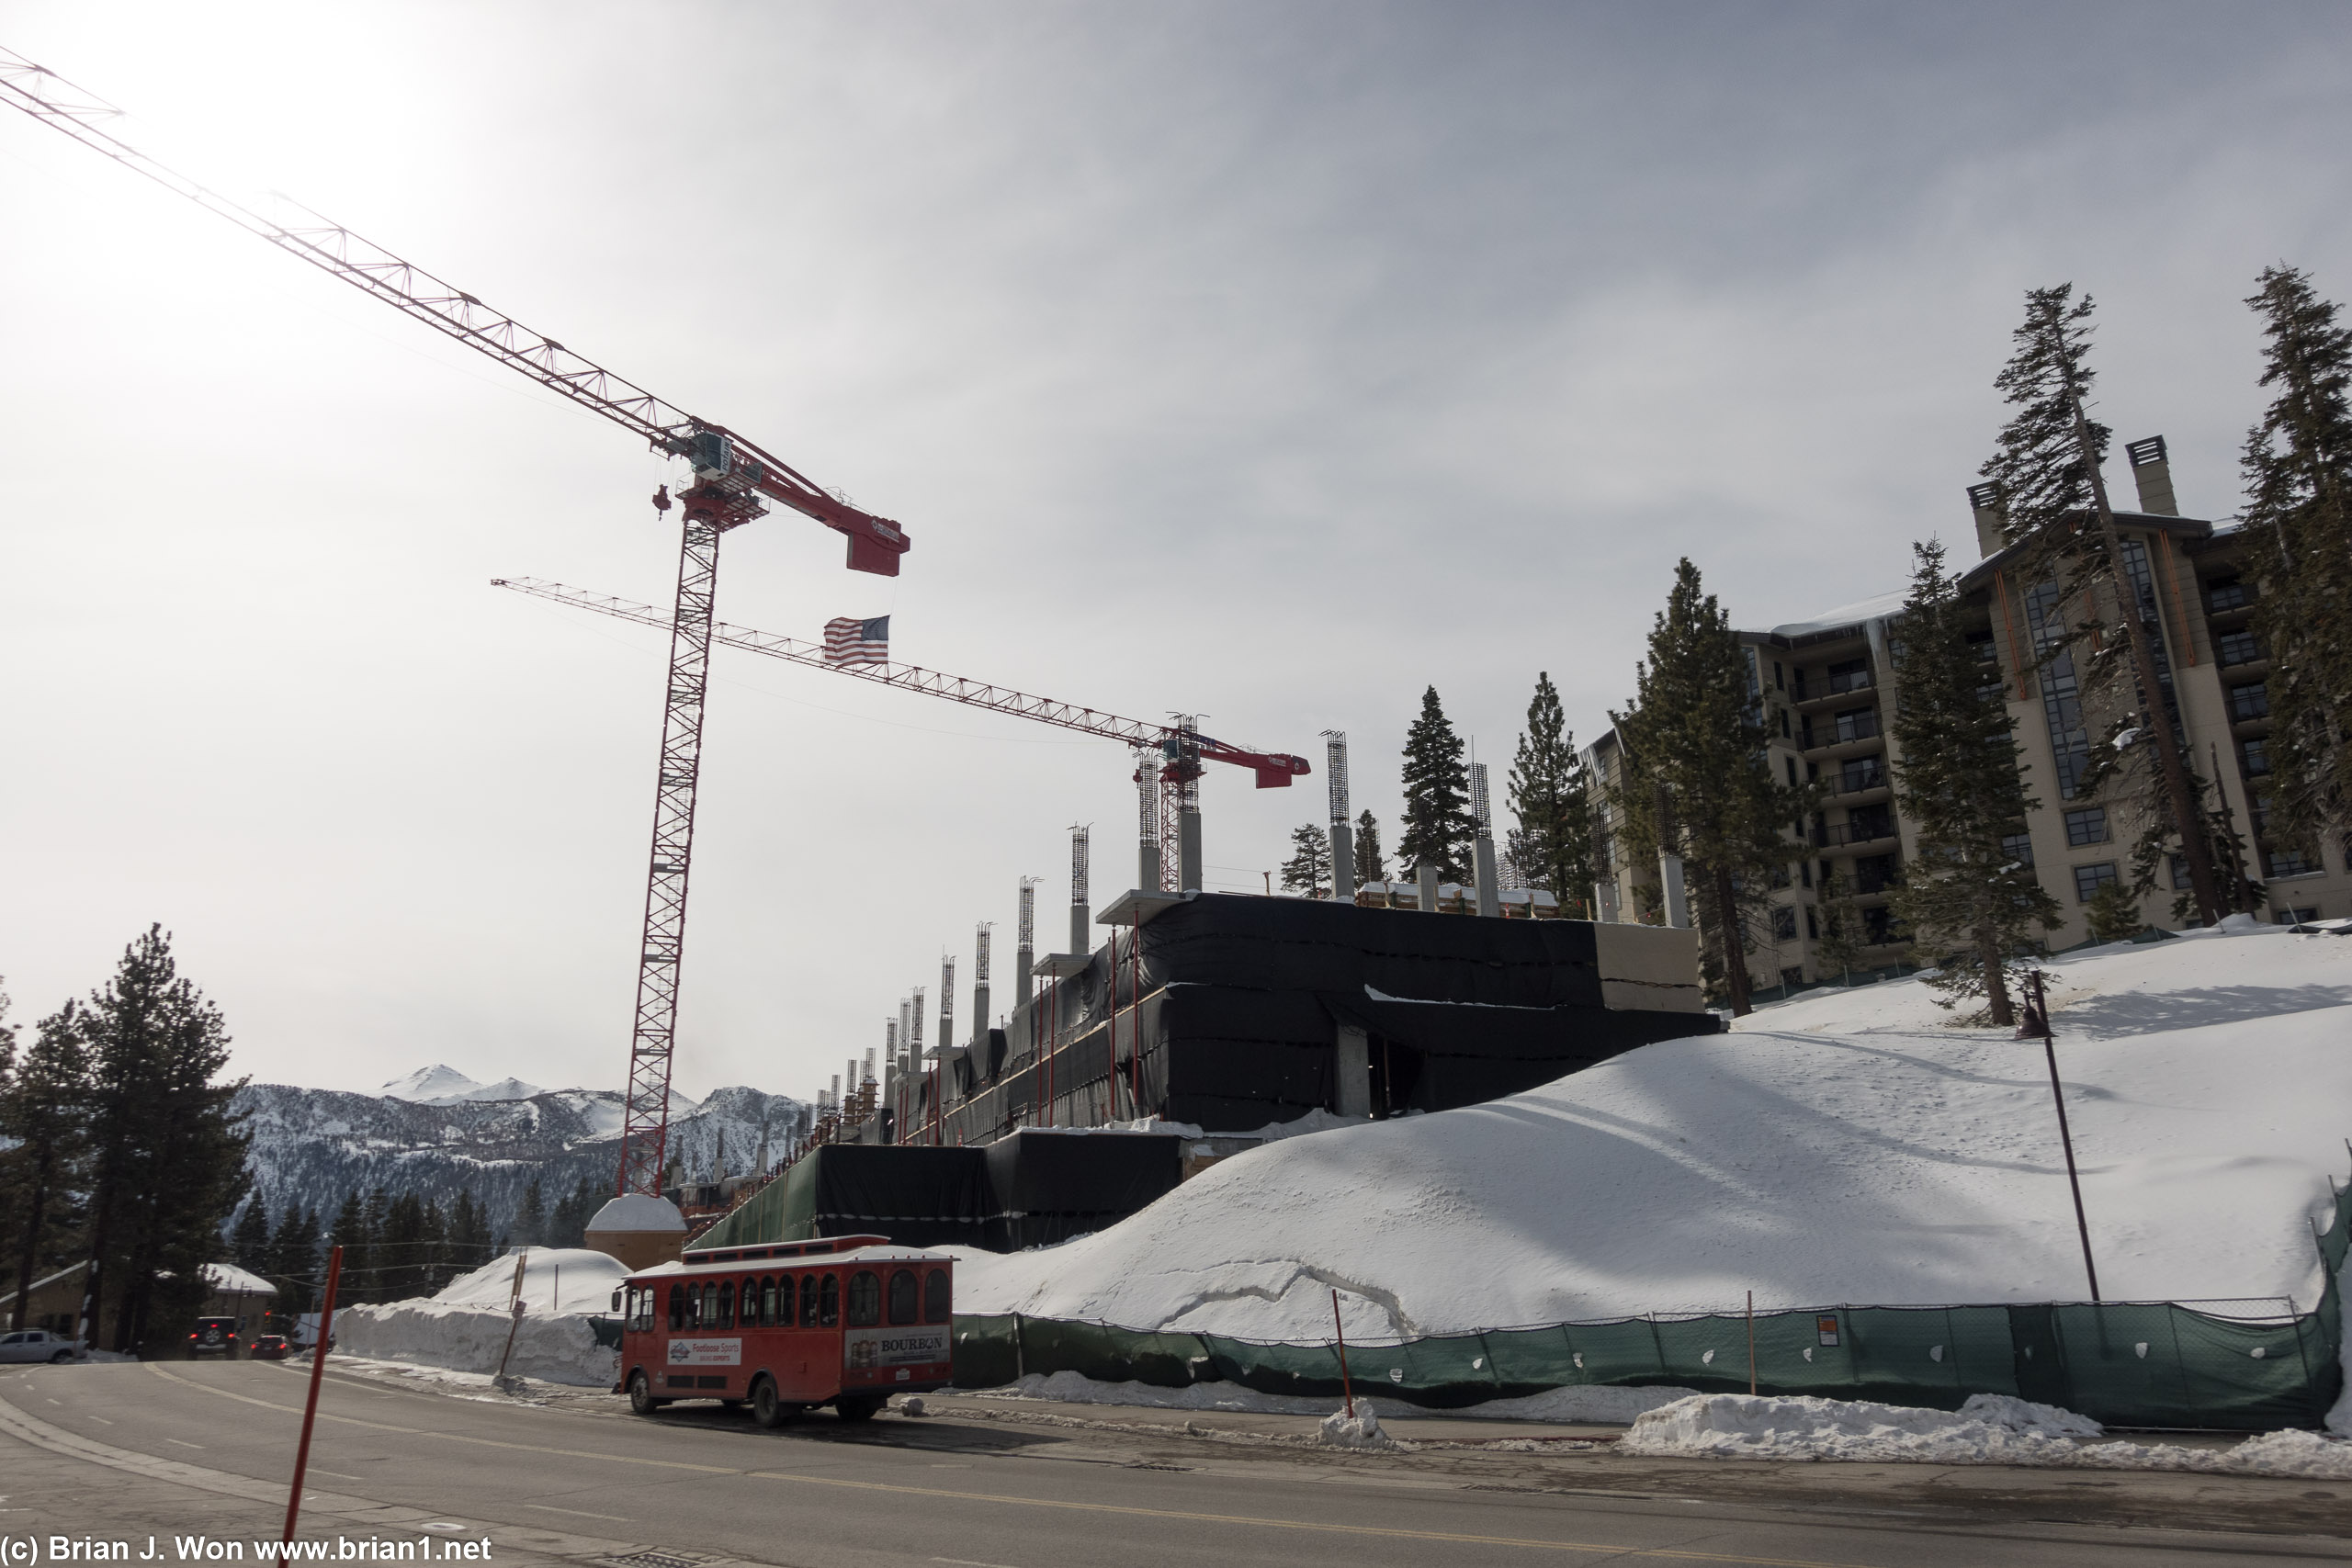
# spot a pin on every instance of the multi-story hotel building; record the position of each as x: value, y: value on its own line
x: 1827, y: 687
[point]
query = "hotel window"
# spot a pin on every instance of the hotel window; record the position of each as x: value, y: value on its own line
x: 2018, y: 847
x: 2292, y: 862
x: 2088, y: 825
x: 2089, y: 879
x: 2236, y: 647
x: 2250, y: 702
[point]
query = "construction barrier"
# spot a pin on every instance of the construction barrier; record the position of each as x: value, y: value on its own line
x: 2148, y: 1364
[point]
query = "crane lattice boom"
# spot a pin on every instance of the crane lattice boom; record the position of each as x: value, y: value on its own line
x: 1274, y: 768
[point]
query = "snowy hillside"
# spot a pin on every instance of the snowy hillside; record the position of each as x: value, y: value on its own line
x: 1852, y: 1148
x: 315, y: 1145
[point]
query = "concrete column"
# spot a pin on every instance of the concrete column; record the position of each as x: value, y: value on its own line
x: 980, y: 1013
x: 1343, y: 863
x: 1678, y: 902
x: 1188, y: 852
x: 1605, y: 902
x: 1148, y: 866
x: 1490, y: 897
x: 1353, y: 1081
x: 1425, y: 878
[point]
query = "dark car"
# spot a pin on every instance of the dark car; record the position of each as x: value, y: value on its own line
x: 269, y: 1348
x: 214, y: 1336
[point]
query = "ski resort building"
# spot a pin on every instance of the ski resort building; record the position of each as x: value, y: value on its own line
x: 1828, y: 687
x: 1205, y: 1023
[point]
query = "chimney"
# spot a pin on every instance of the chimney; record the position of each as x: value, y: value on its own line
x: 946, y: 1003
x: 1984, y: 501
x: 1343, y: 837
x: 2152, y: 471
x: 1188, y: 803
x: 980, y: 987
x: 1146, y: 818
x: 1025, y: 952
x: 1081, y: 941
x: 1482, y: 849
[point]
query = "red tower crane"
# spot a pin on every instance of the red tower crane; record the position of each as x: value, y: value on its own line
x: 733, y: 479
x: 1183, y: 748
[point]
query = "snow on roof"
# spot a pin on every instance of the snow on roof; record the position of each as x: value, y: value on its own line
x: 229, y: 1277
x: 887, y: 1252
x: 1876, y: 607
x: 638, y: 1212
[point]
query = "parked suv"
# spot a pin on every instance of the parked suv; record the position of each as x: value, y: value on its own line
x: 39, y: 1345
x: 214, y: 1336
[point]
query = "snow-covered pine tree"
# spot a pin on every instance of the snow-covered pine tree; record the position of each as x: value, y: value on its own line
x: 2053, y: 500
x: 1437, y: 796
x: 1552, y: 797
x: 2298, y: 467
x: 1973, y: 906
x: 1308, y: 870
x: 1370, y: 865
x: 1695, y: 779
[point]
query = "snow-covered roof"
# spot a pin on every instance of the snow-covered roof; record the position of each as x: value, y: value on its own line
x: 888, y: 1252
x: 1877, y: 607
x: 229, y: 1277
x: 638, y: 1212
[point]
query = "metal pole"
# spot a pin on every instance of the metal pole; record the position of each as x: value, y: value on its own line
x: 2037, y: 1024
x: 310, y: 1405
x: 1751, y: 1343
x: 1347, y: 1390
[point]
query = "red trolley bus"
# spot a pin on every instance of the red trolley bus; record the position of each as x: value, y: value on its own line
x: 846, y: 1321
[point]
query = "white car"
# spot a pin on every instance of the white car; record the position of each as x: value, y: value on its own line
x: 38, y: 1344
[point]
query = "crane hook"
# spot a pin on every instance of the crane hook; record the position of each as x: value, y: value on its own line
x: 661, y: 501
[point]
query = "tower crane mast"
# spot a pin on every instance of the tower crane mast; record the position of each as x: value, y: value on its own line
x: 733, y: 481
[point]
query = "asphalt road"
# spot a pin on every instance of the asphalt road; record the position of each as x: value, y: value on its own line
x: 124, y: 1450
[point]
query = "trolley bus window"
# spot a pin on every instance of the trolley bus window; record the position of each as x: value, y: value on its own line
x: 906, y: 1293
x: 768, y: 1303
x: 727, y: 1303
x: 677, y: 1308
x: 934, y: 1297
x: 865, y: 1299
x: 783, y: 1301
x: 709, y: 1313
x: 808, y: 1301
x: 829, y: 1302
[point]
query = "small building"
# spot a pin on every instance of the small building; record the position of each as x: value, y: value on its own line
x: 54, y: 1302
x: 239, y: 1293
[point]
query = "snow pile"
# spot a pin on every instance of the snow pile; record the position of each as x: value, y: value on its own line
x: 638, y: 1211
x: 1361, y: 1430
x: 1852, y: 1146
x: 465, y: 1327
x: 1988, y: 1430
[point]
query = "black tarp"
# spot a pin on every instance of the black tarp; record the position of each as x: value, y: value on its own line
x: 1441, y: 1055
x: 1051, y: 1186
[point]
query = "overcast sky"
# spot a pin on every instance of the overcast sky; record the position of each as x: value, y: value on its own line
x: 1270, y: 360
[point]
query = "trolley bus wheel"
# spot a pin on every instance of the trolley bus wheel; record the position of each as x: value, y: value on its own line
x: 768, y: 1410
x: 857, y: 1409
x: 640, y: 1394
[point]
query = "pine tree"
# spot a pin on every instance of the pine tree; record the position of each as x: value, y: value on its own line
x: 294, y: 1260
x: 1839, y: 944
x: 1550, y: 794
x: 437, y: 1271
x: 45, y: 1110
x: 401, y: 1261
x: 568, y: 1225
x: 1438, y: 828
x: 1971, y: 904
x: 2054, y: 499
x: 249, y: 1243
x: 1695, y: 780
x: 2298, y: 467
x: 169, y: 1157
x: 1370, y: 864
x: 349, y: 1232
x: 2112, y: 914
x: 531, y: 1222
x: 1308, y: 870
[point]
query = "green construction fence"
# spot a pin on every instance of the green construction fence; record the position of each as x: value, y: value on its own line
x: 2147, y: 1364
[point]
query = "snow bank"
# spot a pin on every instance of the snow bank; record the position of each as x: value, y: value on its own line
x: 1988, y: 1430
x: 1361, y: 1430
x: 1850, y: 1146
x: 464, y: 1327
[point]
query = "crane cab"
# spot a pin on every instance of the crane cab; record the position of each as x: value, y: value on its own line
x: 844, y: 1321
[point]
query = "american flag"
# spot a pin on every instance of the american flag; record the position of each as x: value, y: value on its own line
x: 848, y: 641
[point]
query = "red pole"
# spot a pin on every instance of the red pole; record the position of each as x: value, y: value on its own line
x: 2038, y: 1021
x: 1347, y: 1390
x: 311, y: 1405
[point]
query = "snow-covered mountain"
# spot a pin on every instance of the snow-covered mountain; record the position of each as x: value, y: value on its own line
x: 436, y: 1131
